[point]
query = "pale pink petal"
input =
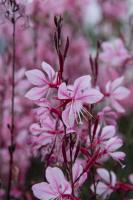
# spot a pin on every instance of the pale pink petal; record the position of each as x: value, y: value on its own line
x: 35, y: 129
x: 44, y: 139
x: 55, y: 177
x: 101, y: 188
x: 108, y: 87
x: 36, y: 77
x: 104, y: 174
x: 121, y: 93
x: 65, y: 187
x: 91, y: 96
x: 48, y: 70
x: 20, y: 74
x: 113, y: 179
x: 43, y: 102
x: 82, y: 83
x: 69, y: 116
x: 43, y: 191
x: 117, y: 82
x: 77, y: 170
x: 113, y: 144
x: 63, y: 92
x: 42, y: 112
x: 108, y: 132
x: 117, y: 106
x: 118, y: 155
x: 36, y: 93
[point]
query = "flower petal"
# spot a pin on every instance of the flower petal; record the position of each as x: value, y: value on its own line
x: 63, y: 92
x: 113, y: 144
x: 81, y: 83
x: 43, y: 191
x: 108, y: 132
x: 91, y: 96
x: 121, y: 93
x: 48, y: 70
x: 36, y: 93
x: 55, y: 177
x: 69, y: 116
x: 117, y: 82
x: 119, y: 155
x: 36, y: 77
x: 113, y: 178
x: 101, y: 188
x: 104, y: 174
x: 77, y: 170
x: 35, y: 129
x: 117, y: 106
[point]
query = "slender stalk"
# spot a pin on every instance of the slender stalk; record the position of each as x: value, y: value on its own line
x: 92, y: 151
x: 71, y: 165
x: 11, y: 128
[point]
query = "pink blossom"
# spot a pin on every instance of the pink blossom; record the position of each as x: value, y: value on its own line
x: 115, y: 92
x: 42, y: 81
x: 77, y: 95
x: 114, y: 53
x: 112, y: 146
x: 107, y: 116
x: 43, y: 111
x: 108, y: 143
x: 106, y: 184
x: 46, y: 132
x: 56, y: 187
x: 102, y: 135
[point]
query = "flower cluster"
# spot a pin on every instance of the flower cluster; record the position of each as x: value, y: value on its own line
x: 65, y: 88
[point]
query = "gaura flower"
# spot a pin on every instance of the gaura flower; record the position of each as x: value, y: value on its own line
x: 76, y: 96
x: 47, y: 132
x: 102, y: 135
x: 42, y: 81
x: 108, y: 116
x: 108, y: 143
x: 112, y: 145
x: 56, y: 187
x: 115, y: 92
x: 114, y: 53
x: 106, y: 184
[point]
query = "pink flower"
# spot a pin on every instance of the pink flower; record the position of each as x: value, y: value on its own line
x: 115, y: 92
x: 102, y: 135
x: 108, y: 143
x: 47, y: 132
x: 108, y: 116
x: 114, y: 53
x: 42, y: 81
x: 112, y: 146
x: 76, y: 96
x: 56, y: 187
x: 106, y: 184
x: 43, y: 111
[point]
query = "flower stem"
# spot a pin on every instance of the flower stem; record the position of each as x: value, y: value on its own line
x: 11, y: 128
